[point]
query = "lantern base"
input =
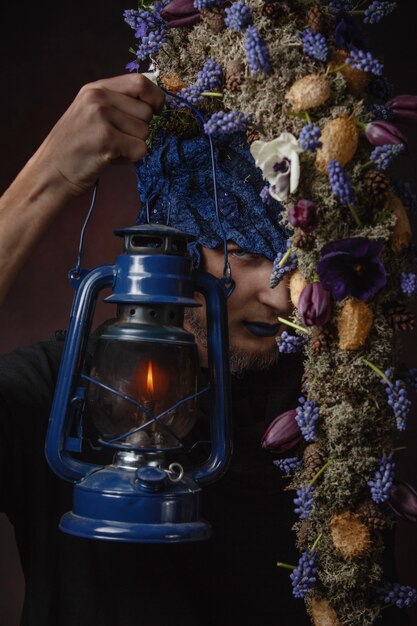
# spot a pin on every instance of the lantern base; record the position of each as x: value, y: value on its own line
x: 133, y: 533
x: 136, y: 505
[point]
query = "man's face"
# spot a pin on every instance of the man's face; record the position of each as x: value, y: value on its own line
x: 253, y: 309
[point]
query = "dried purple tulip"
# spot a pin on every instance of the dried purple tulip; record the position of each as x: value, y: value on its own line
x: 403, y: 501
x: 180, y: 13
x: 315, y: 305
x: 303, y: 215
x: 404, y: 108
x: 380, y: 133
x: 283, y: 433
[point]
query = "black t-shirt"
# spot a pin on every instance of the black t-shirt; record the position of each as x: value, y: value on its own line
x: 229, y: 580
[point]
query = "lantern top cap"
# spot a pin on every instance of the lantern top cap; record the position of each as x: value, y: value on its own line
x: 154, y: 239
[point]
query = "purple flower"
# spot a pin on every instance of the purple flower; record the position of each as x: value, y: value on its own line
x: 404, y: 108
x: 150, y: 44
x: 278, y: 270
x: 289, y: 344
x: 341, y: 5
x: 209, y: 78
x: 222, y: 123
x: 238, y: 16
x: 340, y: 182
x: 351, y: 267
x: 257, y: 53
x: 288, y: 465
x: 403, y: 501
x: 304, y: 502
x: 377, y: 10
x: 361, y: 60
x: 207, y: 4
x: 383, y: 479
x: 380, y: 112
x: 409, y: 284
x: 303, y: 577
x: 309, y: 136
x: 180, y: 13
x: 283, y: 433
x: 314, y: 45
x: 303, y: 215
x: 348, y: 33
x: 381, y: 133
x: 401, y: 596
x: 383, y: 156
x: 398, y: 400
x: 307, y: 415
x: 315, y: 305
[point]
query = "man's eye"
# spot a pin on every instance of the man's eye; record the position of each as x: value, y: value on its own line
x: 242, y: 254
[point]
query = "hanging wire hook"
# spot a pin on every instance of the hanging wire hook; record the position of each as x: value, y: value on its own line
x: 227, y: 280
x: 77, y: 272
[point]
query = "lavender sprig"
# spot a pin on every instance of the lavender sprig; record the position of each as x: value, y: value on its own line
x: 314, y: 45
x: 303, y: 577
x: 340, y: 182
x: 398, y: 400
x: 383, y: 479
x: 304, y: 502
x: 409, y: 284
x: 238, y: 16
x: 361, y: 60
x: 222, y: 123
x: 383, y: 156
x: 402, y: 596
x: 306, y: 416
x: 289, y: 344
x: 288, y: 465
x: 377, y: 10
x: 309, y: 138
x: 257, y: 53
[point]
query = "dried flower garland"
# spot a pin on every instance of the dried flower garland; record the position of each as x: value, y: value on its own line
x: 320, y: 117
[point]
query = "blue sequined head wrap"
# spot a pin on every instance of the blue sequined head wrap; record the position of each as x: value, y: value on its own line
x: 175, y: 184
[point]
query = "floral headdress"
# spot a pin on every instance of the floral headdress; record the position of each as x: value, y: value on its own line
x: 298, y: 78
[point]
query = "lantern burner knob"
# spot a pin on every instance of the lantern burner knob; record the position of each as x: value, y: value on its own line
x: 151, y: 478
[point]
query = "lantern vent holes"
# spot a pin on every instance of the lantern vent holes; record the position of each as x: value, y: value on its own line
x: 152, y: 313
x: 146, y: 241
x: 132, y: 311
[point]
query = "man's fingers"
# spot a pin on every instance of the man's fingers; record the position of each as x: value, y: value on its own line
x: 133, y: 85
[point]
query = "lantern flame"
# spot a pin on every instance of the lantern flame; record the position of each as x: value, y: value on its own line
x: 149, y: 380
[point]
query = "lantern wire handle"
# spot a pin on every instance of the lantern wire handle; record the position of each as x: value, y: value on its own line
x: 77, y: 272
x: 227, y: 281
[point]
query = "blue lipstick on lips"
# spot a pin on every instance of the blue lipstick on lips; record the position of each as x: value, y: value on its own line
x: 261, y: 329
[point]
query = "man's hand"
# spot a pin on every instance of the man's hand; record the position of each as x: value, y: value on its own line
x: 108, y: 122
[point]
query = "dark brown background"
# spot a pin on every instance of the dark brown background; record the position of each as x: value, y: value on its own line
x: 46, y: 56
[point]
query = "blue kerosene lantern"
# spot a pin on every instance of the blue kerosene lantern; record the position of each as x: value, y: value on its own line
x: 138, y: 393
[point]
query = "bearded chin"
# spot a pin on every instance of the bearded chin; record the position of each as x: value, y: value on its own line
x: 239, y: 360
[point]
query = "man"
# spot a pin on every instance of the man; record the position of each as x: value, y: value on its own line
x: 231, y: 579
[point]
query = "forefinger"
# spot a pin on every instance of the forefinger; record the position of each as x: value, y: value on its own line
x: 136, y: 86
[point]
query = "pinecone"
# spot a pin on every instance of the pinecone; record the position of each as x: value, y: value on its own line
x: 320, y: 338
x: 300, y: 239
x: 400, y: 317
x: 213, y: 18
x: 313, y: 459
x: 377, y: 186
x: 252, y: 135
x: 234, y: 74
x: 272, y: 10
x: 314, y: 18
x: 371, y: 515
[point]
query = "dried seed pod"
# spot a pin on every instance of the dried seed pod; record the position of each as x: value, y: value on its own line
x: 354, y: 323
x: 213, y: 18
x: 402, y: 233
x: 376, y: 184
x: 349, y: 535
x: 400, y: 318
x: 313, y: 458
x: 356, y: 80
x: 235, y: 71
x: 314, y: 18
x: 339, y: 139
x: 323, y: 614
x: 172, y: 82
x: 309, y: 92
x: 296, y: 284
x: 371, y: 515
x: 252, y: 135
